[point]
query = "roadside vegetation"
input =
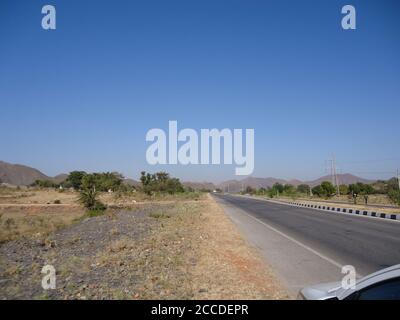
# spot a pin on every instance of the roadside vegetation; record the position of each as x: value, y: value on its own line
x: 358, y: 193
x: 154, y: 240
x: 45, y: 206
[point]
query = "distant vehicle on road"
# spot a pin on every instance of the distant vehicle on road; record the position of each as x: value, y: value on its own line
x: 381, y: 285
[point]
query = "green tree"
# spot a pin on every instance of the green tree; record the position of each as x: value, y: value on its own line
x: 75, y: 179
x: 328, y: 187
x: 44, y: 184
x: 343, y: 189
x: 303, y: 188
x: 319, y: 191
x: 278, y: 186
x: 88, y: 193
x: 108, y: 181
x: 394, y: 196
x: 160, y: 182
x: 361, y: 188
x: 249, y: 190
x: 262, y: 191
x: 288, y: 189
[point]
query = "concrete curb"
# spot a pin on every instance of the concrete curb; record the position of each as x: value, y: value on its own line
x: 375, y: 214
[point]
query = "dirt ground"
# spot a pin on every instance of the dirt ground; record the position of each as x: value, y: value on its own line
x: 36, y: 196
x: 173, y: 249
x: 29, y: 212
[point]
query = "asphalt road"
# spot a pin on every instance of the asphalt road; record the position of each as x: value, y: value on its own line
x: 306, y: 246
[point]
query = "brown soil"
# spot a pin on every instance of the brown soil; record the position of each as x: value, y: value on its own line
x: 182, y: 249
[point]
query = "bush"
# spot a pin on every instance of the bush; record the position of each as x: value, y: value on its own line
x: 103, y: 181
x: 44, y: 184
x: 361, y: 188
x: 98, y: 206
x: 394, y: 196
x: 319, y: 191
x: 328, y: 187
x: 303, y: 188
x: 88, y: 194
x: 160, y: 182
x: 343, y: 189
x: 325, y: 189
x: 74, y: 179
x: 94, y: 213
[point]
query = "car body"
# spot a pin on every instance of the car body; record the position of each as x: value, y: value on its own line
x: 380, y: 285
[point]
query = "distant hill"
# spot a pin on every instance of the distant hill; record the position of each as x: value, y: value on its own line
x: 131, y: 182
x: 19, y: 175
x: 238, y: 185
x: 16, y: 174
x: 343, y: 179
x: 199, y: 185
x: 59, y: 178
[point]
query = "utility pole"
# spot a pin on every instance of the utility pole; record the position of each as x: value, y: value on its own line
x: 398, y: 178
x: 335, y: 180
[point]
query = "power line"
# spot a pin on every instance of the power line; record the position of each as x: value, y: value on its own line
x: 369, y: 161
x: 375, y: 172
x: 334, y: 177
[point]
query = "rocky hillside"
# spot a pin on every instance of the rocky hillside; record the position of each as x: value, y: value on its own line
x: 19, y: 175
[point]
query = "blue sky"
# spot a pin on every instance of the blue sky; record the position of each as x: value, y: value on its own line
x: 84, y: 95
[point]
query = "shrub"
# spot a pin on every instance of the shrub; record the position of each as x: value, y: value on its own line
x: 88, y: 194
x: 103, y: 181
x: 74, y: 179
x: 343, y: 189
x: 303, y: 188
x: 361, y: 188
x: 44, y: 184
x: 160, y: 182
x: 328, y: 187
x: 319, y: 191
x: 394, y: 196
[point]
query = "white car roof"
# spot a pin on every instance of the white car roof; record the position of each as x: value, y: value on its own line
x: 376, y: 277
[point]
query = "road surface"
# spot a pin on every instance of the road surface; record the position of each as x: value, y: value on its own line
x: 306, y: 246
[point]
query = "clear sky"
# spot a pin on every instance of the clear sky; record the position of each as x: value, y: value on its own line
x: 84, y: 95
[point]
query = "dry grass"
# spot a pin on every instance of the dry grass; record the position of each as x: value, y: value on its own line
x: 195, y: 253
x: 124, y: 199
x: 32, y: 211
x: 178, y: 247
x: 36, y: 196
x: 25, y: 221
x: 229, y: 268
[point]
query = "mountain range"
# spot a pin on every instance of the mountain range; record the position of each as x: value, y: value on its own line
x: 16, y: 174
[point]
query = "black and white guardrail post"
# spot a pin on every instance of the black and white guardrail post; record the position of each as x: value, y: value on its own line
x: 382, y: 215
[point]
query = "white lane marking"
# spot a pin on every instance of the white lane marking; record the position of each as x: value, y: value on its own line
x: 295, y: 241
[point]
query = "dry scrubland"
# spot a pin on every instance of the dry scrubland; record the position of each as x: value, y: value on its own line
x: 37, y: 212
x: 169, y: 247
